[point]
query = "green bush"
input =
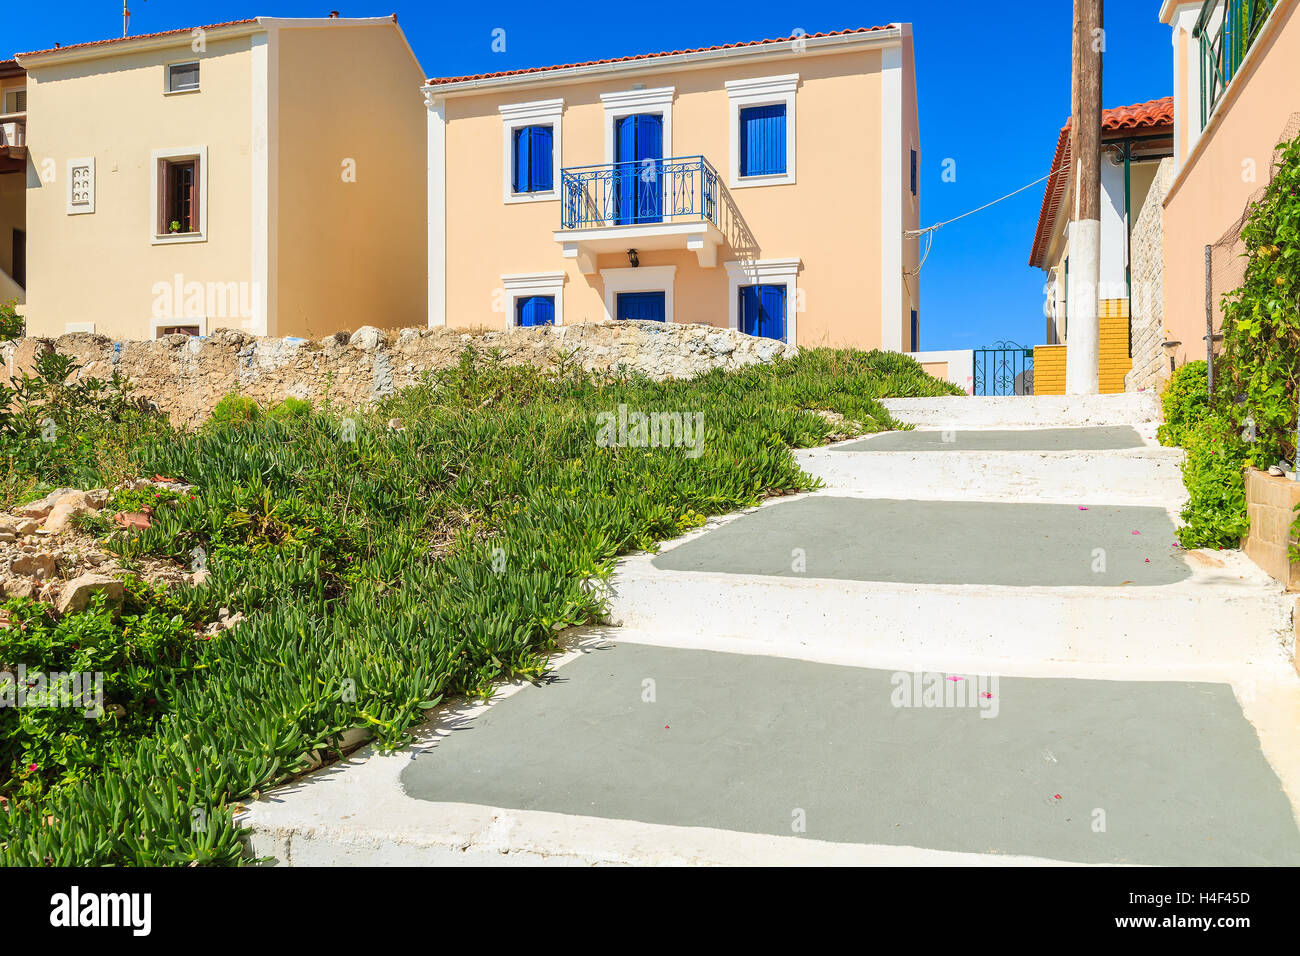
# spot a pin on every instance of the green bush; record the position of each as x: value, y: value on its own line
x: 141, y: 650
x: 1261, y: 325
x: 233, y: 410
x: 12, y: 325
x: 289, y: 410
x: 1215, y: 513
x: 1185, y: 402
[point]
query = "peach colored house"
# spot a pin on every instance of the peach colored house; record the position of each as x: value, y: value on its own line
x: 1236, y: 67
x: 764, y: 186
x: 265, y: 174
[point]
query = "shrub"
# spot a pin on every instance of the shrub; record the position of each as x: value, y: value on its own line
x: 1215, y: 513
x: 12, y: 325
x: 289, y: 410
x: 233, y: 410
x: 1186, y: 401
x: 1261, y: 325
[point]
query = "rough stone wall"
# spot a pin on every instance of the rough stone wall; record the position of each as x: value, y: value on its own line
x: 185, y: 377
x: 1146, y: 259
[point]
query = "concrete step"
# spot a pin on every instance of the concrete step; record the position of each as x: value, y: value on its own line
x: 887, y: 588
x: 1129, y: 408
x: 1148, y: 476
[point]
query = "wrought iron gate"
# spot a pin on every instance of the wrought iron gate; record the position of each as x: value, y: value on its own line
x: 1004, y: 368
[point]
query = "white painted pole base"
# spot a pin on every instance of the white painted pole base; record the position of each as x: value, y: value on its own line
x: 1083, y: 336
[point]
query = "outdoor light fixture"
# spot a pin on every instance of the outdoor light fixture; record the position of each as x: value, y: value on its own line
x: 631, y: 257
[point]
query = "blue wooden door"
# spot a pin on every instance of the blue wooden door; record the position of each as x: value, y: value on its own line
x: 762, y: 311
x: 638, y: 177
x: 647, y: 306
x: 535, y: 310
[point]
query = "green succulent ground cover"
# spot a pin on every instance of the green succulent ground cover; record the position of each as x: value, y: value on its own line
x: 381, y: 570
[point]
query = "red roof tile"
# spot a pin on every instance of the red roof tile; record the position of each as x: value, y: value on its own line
x: 1151, y: 115
x: 437, y: 81
x: 142, y: 36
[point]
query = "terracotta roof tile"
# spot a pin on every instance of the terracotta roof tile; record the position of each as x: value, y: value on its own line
x: 437, y: 81
x: 1151, y: 115
x: 141, y: 36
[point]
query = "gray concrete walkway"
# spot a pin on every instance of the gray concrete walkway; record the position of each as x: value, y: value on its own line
x: 1079, y: 770
x: 1098, y: 438
x: 942, y: 542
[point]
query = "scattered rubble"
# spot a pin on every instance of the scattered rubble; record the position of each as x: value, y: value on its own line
x: 44, y: 557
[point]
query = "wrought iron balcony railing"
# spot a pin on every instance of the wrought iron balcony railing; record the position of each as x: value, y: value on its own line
x: 1226, y: 30
x: 680, y: 189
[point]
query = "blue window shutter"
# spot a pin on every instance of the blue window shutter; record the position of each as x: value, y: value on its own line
x: 541, y: 158
x: 750, y: 310
x: 535, y: 310
x: 913, y: 172
x: 773, y: 298
x: 762, y: 311
x: 762, y: 140
x: 916, y: 332
x: 625, y: 172
x: 519, y: 175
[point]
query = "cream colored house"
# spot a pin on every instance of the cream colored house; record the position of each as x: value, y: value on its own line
x: 266, y: 174
x: 13, y: 182
x: 764, y: 186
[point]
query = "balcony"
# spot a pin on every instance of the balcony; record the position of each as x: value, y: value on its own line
x: 13, y: 142
x: 649, y: 204
x: 1226, y: 30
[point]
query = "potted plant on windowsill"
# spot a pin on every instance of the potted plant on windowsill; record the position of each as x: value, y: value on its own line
x: 175, y: 227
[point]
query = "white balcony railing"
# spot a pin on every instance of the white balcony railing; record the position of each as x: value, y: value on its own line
x: 13, y: 129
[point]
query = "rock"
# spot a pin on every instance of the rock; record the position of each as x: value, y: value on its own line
x: 1275, y: 471
x: 721, y: 344
x: 73, y: 503
x: 200, y: 578
x: 77, y: 592
x: 41, y: 508
x: 39, y: 565
x: 132, y: 519
x: 368, y: 338
x: 21, y: 588
x: 29, y: 526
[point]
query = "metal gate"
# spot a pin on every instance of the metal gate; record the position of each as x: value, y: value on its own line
x: 1004, y: 368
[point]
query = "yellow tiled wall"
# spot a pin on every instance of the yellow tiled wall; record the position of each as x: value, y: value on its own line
x: 1049, y: 370
x: 1114, y: 359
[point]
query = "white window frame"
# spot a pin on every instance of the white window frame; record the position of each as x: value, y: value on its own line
x: 538, y: 113
x: 639, y: 279
x: 631, y: 102
x: 199, y: 153
x: 521, y: 285
x: 167, y: 77
x: 89, y: 207
x: 765, y: 272
x: 762, y: 91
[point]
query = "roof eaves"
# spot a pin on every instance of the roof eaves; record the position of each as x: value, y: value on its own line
x: 666, y: 60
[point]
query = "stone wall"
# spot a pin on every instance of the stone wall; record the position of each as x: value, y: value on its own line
x: 1146, y: 259
x: 1271, y: 502
x: 186, y: 376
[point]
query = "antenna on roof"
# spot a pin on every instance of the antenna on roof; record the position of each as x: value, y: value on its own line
x: 126, y: 18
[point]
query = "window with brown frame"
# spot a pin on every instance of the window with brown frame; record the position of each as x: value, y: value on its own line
x: 192, y: 330
x: 178, y: 206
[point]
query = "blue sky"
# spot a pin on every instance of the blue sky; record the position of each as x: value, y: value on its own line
x: 993, y: 82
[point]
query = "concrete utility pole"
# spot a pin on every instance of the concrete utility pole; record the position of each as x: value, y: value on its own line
x: 1083, y: 339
